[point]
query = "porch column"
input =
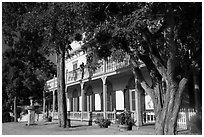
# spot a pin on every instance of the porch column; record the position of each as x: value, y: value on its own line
x: 104, y: 96
x: 137, y: 105
x: 88, y: 103
x: 74, y: 104
x: 53, y: 104
x: 91, y: 105
x: 82, y: 99
x: 110, y: 102
x: 130, y: 99
x: 67, y: 100
x: 70, y: 104
x: 93, y: 102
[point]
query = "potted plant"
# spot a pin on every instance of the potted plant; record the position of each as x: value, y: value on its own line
x: 102, y: 123
x: 125, y: 121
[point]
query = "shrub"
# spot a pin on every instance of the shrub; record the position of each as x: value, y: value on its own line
x: 126, y: 119
x: 101, y: 122
x: 6, y: 117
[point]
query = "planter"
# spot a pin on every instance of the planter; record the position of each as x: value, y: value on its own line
x: 125, y: 127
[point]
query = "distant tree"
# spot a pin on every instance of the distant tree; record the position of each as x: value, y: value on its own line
x: 26, y: 68
x: 166, y: 37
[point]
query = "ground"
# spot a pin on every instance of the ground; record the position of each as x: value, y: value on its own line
x: 78, y: 128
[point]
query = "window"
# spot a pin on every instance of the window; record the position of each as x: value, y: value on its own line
x: 119, y: 100
x: 97, y: 102
x: 74, y: 65
x: 74, y: 70
x: 66, y: 75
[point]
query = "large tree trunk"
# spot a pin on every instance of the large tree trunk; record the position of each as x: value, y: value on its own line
x: 62, y: 108
x: 166, y: 116
x: 15, y: 109
x: 166, y: 103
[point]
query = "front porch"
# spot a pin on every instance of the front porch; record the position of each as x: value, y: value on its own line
x: 148, y: 117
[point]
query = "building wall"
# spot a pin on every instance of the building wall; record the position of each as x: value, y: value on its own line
x: 117, y: 96
x: 79, y: 58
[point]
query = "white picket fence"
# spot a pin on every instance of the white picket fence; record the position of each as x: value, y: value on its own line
x: 184, y: 117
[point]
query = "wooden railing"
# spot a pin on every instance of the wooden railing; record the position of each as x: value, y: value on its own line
x: 148, y: 117
x: 114, y: 65
x: 96, y: 115
x: 76, y: 74
x: 75, y: 115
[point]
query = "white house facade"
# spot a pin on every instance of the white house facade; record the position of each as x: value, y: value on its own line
x: 109, y: 90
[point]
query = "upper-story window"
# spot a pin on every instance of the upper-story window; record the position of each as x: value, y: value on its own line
x: 74, y: 65
x: 74, y: 70
x: 67, y: 75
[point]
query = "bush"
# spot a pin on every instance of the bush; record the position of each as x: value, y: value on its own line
x: 126, y: 119
x: 102, y: 122
x: 195, y: 124
x: 6, y: 117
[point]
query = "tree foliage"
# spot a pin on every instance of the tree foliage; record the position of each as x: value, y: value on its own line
x: 59, y: 24
x: 25, y: 68
x: 166, y: 37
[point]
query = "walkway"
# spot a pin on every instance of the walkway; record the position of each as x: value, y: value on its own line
x: 78, y: 128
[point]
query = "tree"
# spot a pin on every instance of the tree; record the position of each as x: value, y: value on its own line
x: 58, y: 24
x: 26, y: 69
x: 23, y: 75
x: 166, y: 37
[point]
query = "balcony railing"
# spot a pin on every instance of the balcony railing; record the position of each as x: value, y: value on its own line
x: 110, y: 66
x: 78, y: 74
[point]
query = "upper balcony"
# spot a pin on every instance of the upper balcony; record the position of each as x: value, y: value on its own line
x: 78, y: 74
x: 105, y: 67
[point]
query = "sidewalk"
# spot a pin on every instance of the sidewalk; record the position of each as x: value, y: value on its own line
x: 78, y: 128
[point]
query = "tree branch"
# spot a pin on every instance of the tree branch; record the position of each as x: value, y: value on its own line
x: 154, y: 55
x: 139, y: 77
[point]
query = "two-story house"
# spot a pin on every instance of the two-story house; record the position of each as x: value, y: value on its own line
x: 109, y: 89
